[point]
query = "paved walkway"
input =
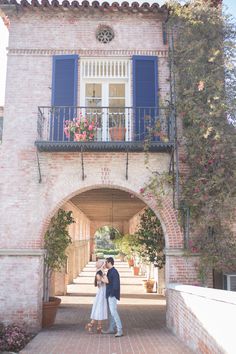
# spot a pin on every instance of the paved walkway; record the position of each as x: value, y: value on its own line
x: 143, y: 317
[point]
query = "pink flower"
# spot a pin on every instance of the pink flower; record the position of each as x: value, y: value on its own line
x: 141, y: 190
x: 80, y: 128
x: 201, y: 86
x: 66, y: 132
x: 78, y: 137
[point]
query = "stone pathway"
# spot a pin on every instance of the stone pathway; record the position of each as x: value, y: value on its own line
x: 143, y: 317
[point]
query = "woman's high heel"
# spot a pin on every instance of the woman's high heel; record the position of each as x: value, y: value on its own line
x: 89, y: 327
x: 99, y: 329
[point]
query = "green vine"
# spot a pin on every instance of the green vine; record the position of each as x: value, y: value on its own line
x: 206, y: 104
x: 158, y: 186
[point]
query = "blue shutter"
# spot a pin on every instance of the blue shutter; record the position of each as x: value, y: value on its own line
x: 64, y: 93
x: 145, y: 94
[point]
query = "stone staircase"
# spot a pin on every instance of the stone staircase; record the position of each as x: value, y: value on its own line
x: 83, y: 285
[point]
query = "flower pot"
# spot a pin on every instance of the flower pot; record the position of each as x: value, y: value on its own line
x: 135, y: 270
x: 93, y: 257
x: 117, y: 133
x: 99, y: 134
x: 121, y: 257
x: 131, y: 262
x: 149, y: 284
x: 50, y: 311
x: 160, y: 136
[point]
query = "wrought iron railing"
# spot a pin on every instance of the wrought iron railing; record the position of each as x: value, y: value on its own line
x: 76, y: 124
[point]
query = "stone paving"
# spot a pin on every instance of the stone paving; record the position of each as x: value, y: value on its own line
x: 143, y: 317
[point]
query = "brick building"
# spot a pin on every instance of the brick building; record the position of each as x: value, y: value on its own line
x: 108, y: 63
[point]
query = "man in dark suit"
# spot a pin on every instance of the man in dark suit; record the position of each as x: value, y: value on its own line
x: 112, y: 295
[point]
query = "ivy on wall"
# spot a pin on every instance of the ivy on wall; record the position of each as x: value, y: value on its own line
x: 206, y: 103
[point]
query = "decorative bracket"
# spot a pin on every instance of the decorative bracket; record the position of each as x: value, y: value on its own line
x: 40, y: 176
x: 127, y: 164
x: 82, y: 163
x: 171, y: 164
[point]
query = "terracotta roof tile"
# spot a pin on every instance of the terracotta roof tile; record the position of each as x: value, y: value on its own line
x: 115, y: 6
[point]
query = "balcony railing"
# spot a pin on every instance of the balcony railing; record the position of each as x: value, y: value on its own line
x: 104, y: 128
x: 104, y: 124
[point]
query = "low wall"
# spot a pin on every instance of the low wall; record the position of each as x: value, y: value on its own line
x: 203, y: 318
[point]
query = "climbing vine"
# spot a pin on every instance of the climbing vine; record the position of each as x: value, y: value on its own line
x: 206, y: 104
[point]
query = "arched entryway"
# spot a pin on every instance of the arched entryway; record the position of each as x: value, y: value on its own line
x: 143, y: 314
x: 96, y: 203
x: 118, y: 207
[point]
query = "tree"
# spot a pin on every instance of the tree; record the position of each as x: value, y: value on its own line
x: 149, y: 239
x: 126, y: 244
x: 56, y: 241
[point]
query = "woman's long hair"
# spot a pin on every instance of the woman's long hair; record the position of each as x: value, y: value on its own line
x: 99, y: 272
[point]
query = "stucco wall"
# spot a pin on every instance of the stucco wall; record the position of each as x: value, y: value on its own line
x: 202, y: 318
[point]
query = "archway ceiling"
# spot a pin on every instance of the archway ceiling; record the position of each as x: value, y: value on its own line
x: 96, y: 204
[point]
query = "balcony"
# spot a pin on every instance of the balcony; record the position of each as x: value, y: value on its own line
x: 104, y: 129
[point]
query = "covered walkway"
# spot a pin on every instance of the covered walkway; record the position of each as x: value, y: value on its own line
x: 143, y: 317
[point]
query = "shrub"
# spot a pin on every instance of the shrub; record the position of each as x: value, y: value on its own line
x: 106, y: 251
x: 112, y: 252
x: 13, y: 338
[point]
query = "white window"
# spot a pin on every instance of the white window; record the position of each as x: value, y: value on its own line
x: 105, y: 92
x: 230, y: 282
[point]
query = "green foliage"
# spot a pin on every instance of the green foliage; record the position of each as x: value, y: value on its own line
x: 103, y: 237
x: 107, y: 251
x: 57, y: 239
x: 126, y: 244
x: 206, y: 103
x: 217, y: 252
x: 149, y: 239
x: 158, y: 186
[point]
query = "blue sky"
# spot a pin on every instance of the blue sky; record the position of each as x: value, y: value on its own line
x: 230, y: 4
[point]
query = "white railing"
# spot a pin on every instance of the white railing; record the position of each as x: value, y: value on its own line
x: 105, y: 68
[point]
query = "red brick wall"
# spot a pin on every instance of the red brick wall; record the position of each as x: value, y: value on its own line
x: 20, y: 277
x: 29, y: 205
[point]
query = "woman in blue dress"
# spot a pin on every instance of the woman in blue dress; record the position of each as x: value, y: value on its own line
x: 99, y: 310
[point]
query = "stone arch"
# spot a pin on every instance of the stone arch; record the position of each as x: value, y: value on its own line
x: 165, y: 212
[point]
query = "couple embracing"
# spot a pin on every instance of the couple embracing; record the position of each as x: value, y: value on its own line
x: 106, y: 299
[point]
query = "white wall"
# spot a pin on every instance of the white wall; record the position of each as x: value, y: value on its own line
x: 203, y: 318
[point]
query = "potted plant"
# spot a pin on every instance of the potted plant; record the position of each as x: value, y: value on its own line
x: 149, y: 285
x: 136, y: 269
x: 56, y: 241
x: 130, y: 261
x: 117, y: 128
x: 150, y: 237
x: 136, y: 258
x: 124, y: 244
x: 159, y: 132
x: 80, y: 129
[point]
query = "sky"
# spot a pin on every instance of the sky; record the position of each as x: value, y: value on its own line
x: 229, y: 4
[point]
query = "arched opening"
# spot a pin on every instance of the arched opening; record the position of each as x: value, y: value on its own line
x: 93, y: 210
x: 113, y: 206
